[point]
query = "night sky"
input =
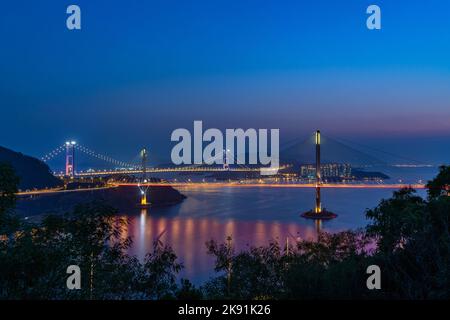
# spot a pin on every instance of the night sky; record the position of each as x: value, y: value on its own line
x: 139, y: 69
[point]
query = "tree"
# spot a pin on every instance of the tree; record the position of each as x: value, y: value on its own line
x: 188, y: 291
x: 8, y: 189
x: 33, y: 263
x: 396, y: 220
x: 440, y: 185
x: 332, y: 266
x: 159, y: 272
x: 252, y: 274
x: 413, y: 238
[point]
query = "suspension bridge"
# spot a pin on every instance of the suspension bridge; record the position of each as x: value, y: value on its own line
x: 125, y: 168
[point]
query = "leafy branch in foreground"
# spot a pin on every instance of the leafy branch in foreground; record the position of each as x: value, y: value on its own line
x: 33, y: 260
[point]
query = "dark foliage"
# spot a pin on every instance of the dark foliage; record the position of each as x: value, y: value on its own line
x: 441, y: 184
x: 407, y: 237
x: 8, y: 190
x: 34, y: 259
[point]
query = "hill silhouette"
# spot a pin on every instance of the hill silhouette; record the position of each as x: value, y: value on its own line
x: 32, y: 172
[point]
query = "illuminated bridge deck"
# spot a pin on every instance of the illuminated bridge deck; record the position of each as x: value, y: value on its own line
x: 199, y: 185
x: 168, y: 170
x: 271, y: 185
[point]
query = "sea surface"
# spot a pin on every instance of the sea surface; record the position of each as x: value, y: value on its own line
x: 252, y: 216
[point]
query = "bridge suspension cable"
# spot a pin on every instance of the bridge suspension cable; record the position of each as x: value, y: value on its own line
x: 212, y: 160
x: 208, y: 161
x: 103, y: 157
x: 297, y: 143
x: 49, y: 156
x: 362, y: 156
x: 390, y: 154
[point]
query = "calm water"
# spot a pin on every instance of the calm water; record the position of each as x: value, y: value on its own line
x: 252, y: 216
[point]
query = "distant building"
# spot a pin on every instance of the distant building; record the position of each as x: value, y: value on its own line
x: 328, y: 170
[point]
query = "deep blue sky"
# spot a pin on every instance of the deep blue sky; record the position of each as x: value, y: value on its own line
x: 139, y: 69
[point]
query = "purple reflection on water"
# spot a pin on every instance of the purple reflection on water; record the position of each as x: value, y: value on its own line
x: 252, y: 217
x: 188, y: 236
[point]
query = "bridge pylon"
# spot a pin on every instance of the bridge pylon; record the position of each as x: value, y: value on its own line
x: 144, y: 156
x: 226, y: 164
x: 144, y: 197
x: 318, y: 213
x: 144, y: 188
x: 70, y: 158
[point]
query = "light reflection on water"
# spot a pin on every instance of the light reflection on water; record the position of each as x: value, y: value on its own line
x: 252, y: 217
x: 188, y: 236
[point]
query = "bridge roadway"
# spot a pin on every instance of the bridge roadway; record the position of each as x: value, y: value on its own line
x: 167, y: 170
x: 269, y: 185
x: 59, y: 190
x: 197, y: 185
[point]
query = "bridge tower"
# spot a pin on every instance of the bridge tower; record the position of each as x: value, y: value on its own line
x: 318, y: 207
x: 226, y: 165
x: 70, y: 158
x: 318, y: 213
x: 143, y: 189
x: 144, y: 156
